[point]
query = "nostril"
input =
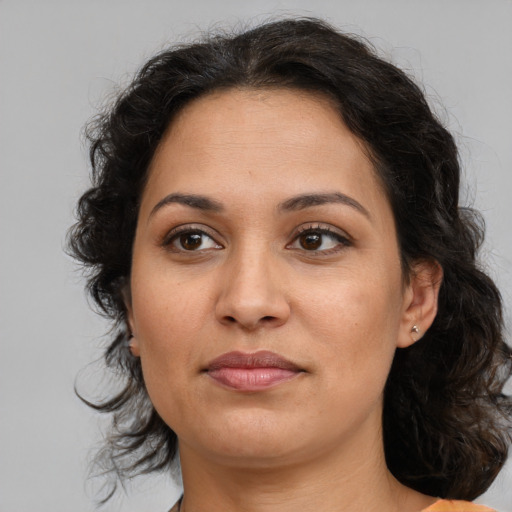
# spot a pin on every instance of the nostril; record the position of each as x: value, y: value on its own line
x: 268, y: 319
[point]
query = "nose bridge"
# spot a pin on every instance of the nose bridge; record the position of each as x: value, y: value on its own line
x: 252, y: 291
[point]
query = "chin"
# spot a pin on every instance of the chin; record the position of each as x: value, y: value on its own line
x: 251, y: 440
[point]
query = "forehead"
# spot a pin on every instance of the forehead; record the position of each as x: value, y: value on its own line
x: 292, y: 118
x: 272, y: 142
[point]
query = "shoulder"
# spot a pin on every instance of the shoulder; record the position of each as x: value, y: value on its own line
x: 457, y: 506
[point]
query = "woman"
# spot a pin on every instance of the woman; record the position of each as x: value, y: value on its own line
x: 274, y: 229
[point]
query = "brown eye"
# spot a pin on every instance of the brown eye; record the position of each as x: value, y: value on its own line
x: 191, y: 241
x: 320, y: 240
x: 310, y: 241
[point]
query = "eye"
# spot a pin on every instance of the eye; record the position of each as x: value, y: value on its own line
x: 185, y: 239
x: 319, y: 239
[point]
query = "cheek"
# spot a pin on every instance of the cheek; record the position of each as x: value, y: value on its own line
x: 353, y: 303
x: 167, y: 318
x: 162, y: 302
x: 354, y: 324
x: 168, y: 351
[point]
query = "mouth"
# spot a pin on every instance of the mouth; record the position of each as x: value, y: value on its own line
x: 252, y: 372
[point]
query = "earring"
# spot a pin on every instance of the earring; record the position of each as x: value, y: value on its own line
x: 416, y: 333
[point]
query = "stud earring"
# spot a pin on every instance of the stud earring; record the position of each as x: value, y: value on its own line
x: 415, y: 329
x: 415, y: 332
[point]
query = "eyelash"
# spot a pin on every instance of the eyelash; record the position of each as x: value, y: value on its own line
x: 179, y: 231
x: 315, y: 229
x: 311, y: 229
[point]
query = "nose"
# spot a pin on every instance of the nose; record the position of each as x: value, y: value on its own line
x: 252, y: 293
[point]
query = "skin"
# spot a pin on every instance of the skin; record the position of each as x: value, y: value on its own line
x: 338, y: 311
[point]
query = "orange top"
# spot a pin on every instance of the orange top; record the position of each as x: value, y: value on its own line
x: 438, y: 506
x: 457, y: 506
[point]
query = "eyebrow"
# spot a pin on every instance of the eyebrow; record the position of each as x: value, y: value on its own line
x: 194, y: 201
x: 309, y: 200
x: 295, y: 203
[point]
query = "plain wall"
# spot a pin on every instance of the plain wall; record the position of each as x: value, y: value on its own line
x: 58, y: 60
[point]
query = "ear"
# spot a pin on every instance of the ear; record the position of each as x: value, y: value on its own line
x: 127, y: 299
x: 420, y: 301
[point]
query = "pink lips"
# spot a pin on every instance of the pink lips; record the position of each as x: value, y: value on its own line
x: 251, y: 372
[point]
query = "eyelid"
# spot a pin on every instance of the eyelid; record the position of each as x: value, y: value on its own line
x: 323, y: 227
x: 189, y: 227
x: 344, y: 239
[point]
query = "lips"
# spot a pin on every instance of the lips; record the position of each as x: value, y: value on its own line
x: 252, y: 372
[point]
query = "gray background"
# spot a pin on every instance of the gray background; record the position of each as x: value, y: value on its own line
x: 58, y: 60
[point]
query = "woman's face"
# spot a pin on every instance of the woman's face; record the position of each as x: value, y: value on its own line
x: 267, y: 298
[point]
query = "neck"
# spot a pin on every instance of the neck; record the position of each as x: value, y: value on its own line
x: 352, y: 480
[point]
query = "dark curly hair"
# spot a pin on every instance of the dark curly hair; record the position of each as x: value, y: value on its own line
x: 446, y: 420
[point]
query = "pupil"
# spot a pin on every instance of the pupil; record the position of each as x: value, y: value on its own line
x: 311, y: 241
x: 190, y: 241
